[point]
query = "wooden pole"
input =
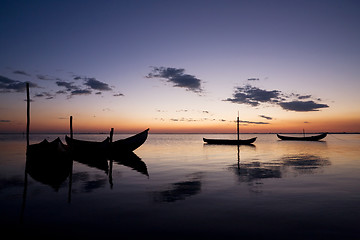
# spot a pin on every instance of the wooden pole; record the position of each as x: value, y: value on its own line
x: 111, y: 160
x: 111, y: 134
x: 72, y: 163
x: 27, y: 114
x: 71, y: 128
x: 238, y: 131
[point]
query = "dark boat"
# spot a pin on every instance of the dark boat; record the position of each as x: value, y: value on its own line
x: 129, y: 144
x: 230, y: 141
x: 87, y: 147
x: 310, y: 138
x: 47, y: 149
x: 106, y: 148
x: 48, y: 162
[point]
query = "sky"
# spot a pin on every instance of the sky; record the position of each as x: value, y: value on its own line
x: 180, y: 66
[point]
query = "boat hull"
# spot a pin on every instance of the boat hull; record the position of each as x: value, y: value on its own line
x: 229, y: 141
x: 311, y: 138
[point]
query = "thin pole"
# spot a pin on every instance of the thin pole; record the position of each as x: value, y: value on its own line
x: 111, y: 134
x: 72, y: 163
x: 304, y: 132
x: 27, y: 114
x: 111, y: 160
x: 238, y: 132
x: 71, y: 128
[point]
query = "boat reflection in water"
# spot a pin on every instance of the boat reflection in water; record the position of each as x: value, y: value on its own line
x: 296, y: 164
x: 180, y: 190
x: 49, y: 170
x: 49, y: 166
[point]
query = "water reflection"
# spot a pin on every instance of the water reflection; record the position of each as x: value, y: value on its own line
x: 302, y: 163
x: 94, y: 162
x: 132, y: 161
x: 88, y: 182
x: 49, y: 170
x: 180, y: 190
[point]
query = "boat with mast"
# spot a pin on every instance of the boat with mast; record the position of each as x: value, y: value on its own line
x: 237, y: 141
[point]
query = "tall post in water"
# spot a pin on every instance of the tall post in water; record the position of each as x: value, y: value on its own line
x: 27, y: 114
x: 238, y: 132
x: 111, y: 160
x: 71, y: 172
x: 111, y: 134
x: 71, y: 128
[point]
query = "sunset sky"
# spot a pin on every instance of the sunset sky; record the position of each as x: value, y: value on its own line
x: 180, y: 66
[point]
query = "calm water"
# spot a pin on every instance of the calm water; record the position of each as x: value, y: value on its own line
x: 272, y: 190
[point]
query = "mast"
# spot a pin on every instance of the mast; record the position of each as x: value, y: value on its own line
x: 238, y: 132
x: 27, y: 114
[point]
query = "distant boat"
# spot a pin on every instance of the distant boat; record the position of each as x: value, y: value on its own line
x: 106, y: 147
x: 230, y: 141
x: 237, y: 141
x: 310, y: 138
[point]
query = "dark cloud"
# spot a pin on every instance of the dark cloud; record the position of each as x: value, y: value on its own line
x: 177, y: 77
x: 254, y: 96
x: 81, y: 92
x: 300, y: 106
x: 266, y: 117
x: 5, y: 121
x: 250, y: 122
x: 20, y: 72
x: 97, y: 85
x: 68, y: 85
x: 253, y: 79
x: 118, y: 95
x: 47, y: 95
x: 304, y: 97
x: 9, y: 85
x: 44, y: 77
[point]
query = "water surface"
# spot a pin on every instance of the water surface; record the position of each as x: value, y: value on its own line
x: 273, y: 189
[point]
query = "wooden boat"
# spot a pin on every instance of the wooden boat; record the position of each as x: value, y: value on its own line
x: 237, y: 141
x: 48, y: 162
x: 83, y: 146
x: 46, y: 148
x: 310, y: 138
x: 230, y: 141
x: 106, y: 147
x: 129, y: 144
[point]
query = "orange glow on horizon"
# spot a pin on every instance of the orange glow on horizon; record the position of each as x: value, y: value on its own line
x: 123, y: 125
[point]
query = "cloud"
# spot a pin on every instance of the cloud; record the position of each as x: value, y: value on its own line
x: 177, y: 77
x: 20, y: 72
x: 118, y: 95
x: 9, y: 85
x: 250, y: 122
x: 81, y: 92
x: 5, y: 121
x: 254, y: 96
x: 266, y: 117
x: 68, y: 85
x: 43, y: 77
x: 300, y: 106
x: 253, y: 79
x: 47, y: 95
x: 96, y: 85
